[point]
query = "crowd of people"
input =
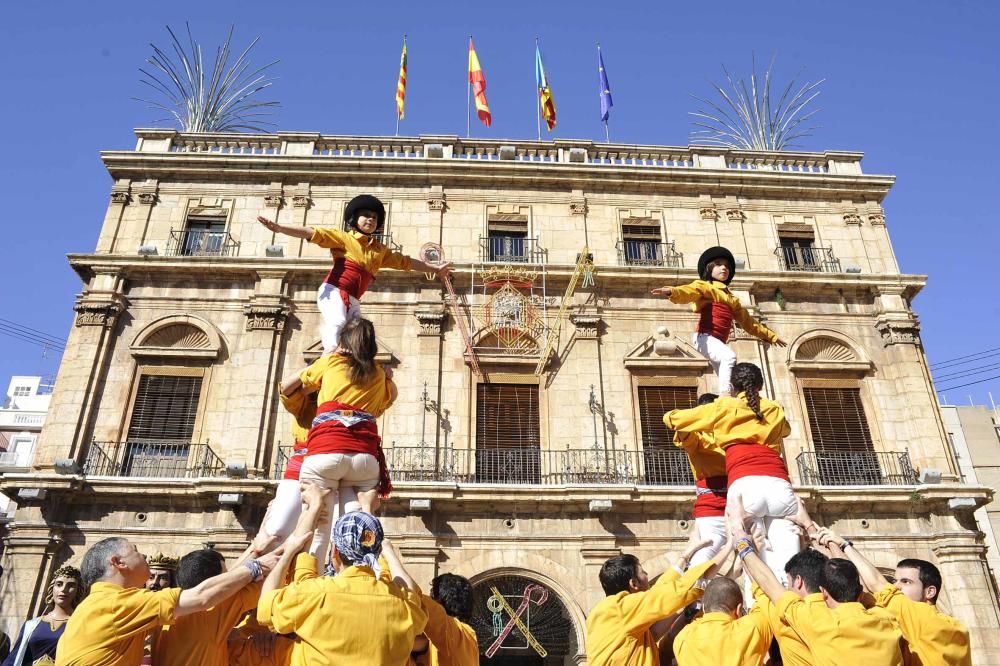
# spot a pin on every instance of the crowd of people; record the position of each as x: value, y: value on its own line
x: 322, y: 584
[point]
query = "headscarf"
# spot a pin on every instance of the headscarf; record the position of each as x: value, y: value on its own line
x: 358, y: 537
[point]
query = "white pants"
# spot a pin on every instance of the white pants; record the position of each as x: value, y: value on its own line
x: 720, y: 356
x: 714, y: 528
x: 285, y: 509
x: 346, y: 475
x: 770, y: 500
x: 334, y: 314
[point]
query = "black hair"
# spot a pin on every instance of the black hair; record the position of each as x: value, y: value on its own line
x: 618, y: 572
x: 929, y: 574
x: 706, y: 398
x: 357, y: 341
x: 747, y: 378
x: 198, y: 566
x: 841, y: 581
x: 807, y: 565
x: 455, y: 594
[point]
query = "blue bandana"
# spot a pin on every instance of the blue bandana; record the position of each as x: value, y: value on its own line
x: 358, y: 537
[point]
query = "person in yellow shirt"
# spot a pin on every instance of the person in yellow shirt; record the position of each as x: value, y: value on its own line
x: 842, y: 631
x: 717, y: 307
x: 250, y: 644
x: 110, y: 626
x: 723, y: 636
x: 802, y: 576
x: 355, y: 617
x: 357, y: 258
x: 199, y: 639
x: 934, y: 638
x: 620, y: 627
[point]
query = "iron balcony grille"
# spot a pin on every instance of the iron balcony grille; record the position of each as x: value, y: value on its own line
x: 533, y: 466
x: 510, y: 250
x: 162, y: 459
x: 814, y: 259
x: 648, y: 253
x: 202, y: 243
x: 856, y: 468
x: 281, y: 460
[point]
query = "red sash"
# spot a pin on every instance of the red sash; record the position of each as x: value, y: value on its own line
x: 350, y: 278
x: 333, y: 437
x: 749, y: 459
x: 294, y: 464
x: 716, y: 319
x: 711, y: 504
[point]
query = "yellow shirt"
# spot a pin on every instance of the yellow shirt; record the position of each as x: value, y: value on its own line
x: 351, y: 618
x: 847, y: 634
x: 731, y: 420
x: 706, y: 461
x: 935, y: 638
x: 618, y: 628
x: 794, y: 652
x: 200, y: 638
x: 331, y: 375
x: 452, y: 642
x: 703, y: 292
x: 109, y: 627
x: 360, y: 249
x: 302, y: 407
x: 716, y: 639
x: 243, y: 651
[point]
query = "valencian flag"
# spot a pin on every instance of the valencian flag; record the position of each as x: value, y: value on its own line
x: 478, y: 81
x: 606, y: 102
x: 401, y: 84
x: 544, y: 92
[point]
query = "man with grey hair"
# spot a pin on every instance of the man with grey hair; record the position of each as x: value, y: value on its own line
x: 110, y: 625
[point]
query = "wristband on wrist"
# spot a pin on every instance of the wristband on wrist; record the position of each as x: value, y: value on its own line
x: 256, y: 571
x: 846, y: 543
x: 744, y: 547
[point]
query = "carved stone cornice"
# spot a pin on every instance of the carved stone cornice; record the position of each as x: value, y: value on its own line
x: 266, y: 314
x: 898, y: 331
x: 876, y: 219
x: 709, y: 214
x: 147, y: 198
x: 735, y: 215
x: 437, y: 203
x: 273, y: 200
x: 98, y: 310
x: 578, y: 208
x: 852, y: 218
x: 301, y: 201
x: 120, y: 196
x: 431, y: 322
x: 588, y: 326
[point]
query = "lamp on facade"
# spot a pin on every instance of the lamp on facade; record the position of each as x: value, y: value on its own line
x: 230, y: 499
x: 29, y: 494
x: 930, y: 476
x: 147, y: 251
x: 274, y: 251
x: 66, y: 466
x: 236, y: 470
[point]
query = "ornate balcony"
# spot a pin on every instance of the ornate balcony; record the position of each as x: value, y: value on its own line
x: 202, y: 243
x: 162, y: 459
x: 648, y: 253
x: 856, y: 468
x: 809, y: 259
x: 510, y: 250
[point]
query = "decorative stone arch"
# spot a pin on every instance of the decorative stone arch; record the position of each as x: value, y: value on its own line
x: 178, y: 336
x: 558, y: 578
x: 384, y: 355
x: 827, y: 350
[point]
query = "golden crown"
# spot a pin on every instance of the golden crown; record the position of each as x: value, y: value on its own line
x: 161, y: 561
x: 508, y: 272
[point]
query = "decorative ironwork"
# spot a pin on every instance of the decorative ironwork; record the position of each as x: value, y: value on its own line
x: 202, y: 243
x: 648, y: 253
x: 515, y: 616
x: 281, y: 458
x: 170, y: 459
x: 807, y: 258
x: 505, y: 249
x: 856, y: 468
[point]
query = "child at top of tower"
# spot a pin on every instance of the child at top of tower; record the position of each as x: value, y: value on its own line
x: 357, y: 258
x: 717, y: 308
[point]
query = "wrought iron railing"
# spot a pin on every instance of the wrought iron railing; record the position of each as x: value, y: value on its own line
x: 814, y: 259
x: 510, y: 250
x: 170, y: 459
x: 202, y: 243
x: 280, y: 461
x: 648, y: 253
x: 533, y: 466
x: 856, y: 468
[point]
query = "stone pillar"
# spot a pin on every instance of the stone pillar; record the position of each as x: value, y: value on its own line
x: 593, y: 559
x: 120, y: 198
x: 31, y: 554
x: 970, y: 595
x: 421, y: 562
x: 130, y: 233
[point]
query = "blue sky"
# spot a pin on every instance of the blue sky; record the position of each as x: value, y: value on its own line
x: 913, y: 85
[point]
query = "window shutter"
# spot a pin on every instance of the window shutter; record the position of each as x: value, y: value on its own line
x: 165, y: 408
x: 664, y: 463
x: 837, y: 420
x: 507, y: 416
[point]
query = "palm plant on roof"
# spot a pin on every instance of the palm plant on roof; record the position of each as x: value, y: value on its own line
x: 199, y: 100
x: 746, y: 117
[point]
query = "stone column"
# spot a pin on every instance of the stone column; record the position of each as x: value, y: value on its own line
x: 31, y: 554
x: 970, y: 595
x: 113, y: 218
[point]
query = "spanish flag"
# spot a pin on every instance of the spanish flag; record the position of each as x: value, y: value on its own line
x: 401, y: 84
x: 544, y: 91
x: 478, y: 81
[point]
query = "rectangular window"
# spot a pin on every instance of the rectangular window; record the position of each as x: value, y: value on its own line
x: 204, y: 235
x: 665, y: 464
x: 162, y: 423
x: 508, y: 439
x: 798, y: 254
x: 22, y: 391
x: 642, y: 244
x: 507, y: 238
x: 845, y: 454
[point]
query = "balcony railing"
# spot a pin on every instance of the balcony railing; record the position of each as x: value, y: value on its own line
x: 658, y: 467
x: 163, y: 459
x: 814, y: 259
x: 648, y: 253
x: 202, y: 243
x: 856, y: 468
x: 280, y: 460
x: 510, y: 250
x: 16, y: 459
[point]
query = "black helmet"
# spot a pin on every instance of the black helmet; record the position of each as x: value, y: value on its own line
x: 363, y: 202
x: 710, y: 255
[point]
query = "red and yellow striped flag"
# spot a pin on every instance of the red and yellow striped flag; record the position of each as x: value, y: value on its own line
x: 478, y: 81
x: 401, y: 84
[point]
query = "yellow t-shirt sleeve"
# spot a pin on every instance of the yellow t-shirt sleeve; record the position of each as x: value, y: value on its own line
x: 640, y: 610
x: 312, y: 377
x: 329, y: 238
x: 397, y: 260
x: 145, y: 610
x: 695, y: 419
x: 751, y: 325
x: 691, y: 292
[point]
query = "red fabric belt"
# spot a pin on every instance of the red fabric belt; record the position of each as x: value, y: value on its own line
x: 716, y: 319
x: 748, y: 459
x: 350, y: 278
x: 712, y: 504
x: 333, y: 437
x: 294, y: 464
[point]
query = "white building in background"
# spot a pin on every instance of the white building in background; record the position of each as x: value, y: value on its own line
x: 21, y: 419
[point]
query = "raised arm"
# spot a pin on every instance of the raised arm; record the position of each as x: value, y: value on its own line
x: 398, y: 570
x: 297, y: 232
x: 755, y: 567
x: 312, y: 504
x: 870, y: 575
x: 290, y: 384
x: 219, y: 588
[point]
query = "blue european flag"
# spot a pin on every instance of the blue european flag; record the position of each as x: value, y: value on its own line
x: 606, y: 102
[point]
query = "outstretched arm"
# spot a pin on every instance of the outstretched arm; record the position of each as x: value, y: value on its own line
x: 219, y: 588
x: 870, y: 575
x: 755, y: 328
x: 442, y: 270
x: 297, y: 232
x: 398, y: 570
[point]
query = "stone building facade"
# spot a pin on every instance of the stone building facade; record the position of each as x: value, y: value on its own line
x: 527, y: 475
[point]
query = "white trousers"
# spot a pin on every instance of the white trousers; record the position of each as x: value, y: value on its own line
x: 334, y: 314
x: 346, y: 475
x: 769, y: 500
x: 714, y: 528
x: 720, y: 356
x: 284, y: 510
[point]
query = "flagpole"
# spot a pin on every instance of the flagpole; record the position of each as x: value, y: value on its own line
x: 468, y: 104
x: 607, y: 135
x: 538, y: 98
